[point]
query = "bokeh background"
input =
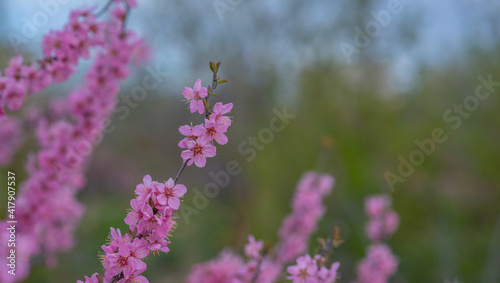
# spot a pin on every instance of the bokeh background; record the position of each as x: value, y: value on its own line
x: 374, y: 103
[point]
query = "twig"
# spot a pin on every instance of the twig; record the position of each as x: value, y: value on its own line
x: 214, y: 86
x: 180, y: 170
x: 257, y: 268
x: 104, y: 9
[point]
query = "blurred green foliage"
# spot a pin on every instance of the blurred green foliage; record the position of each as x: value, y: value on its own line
x: 448, y: 207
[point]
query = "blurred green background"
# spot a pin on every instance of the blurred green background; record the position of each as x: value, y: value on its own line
x: 374, y: 104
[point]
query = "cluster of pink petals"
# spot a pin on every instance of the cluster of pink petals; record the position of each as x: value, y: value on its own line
x: 312, y: 270
x: 223, y: 269
x: 378, y: 265
x: 150, y: 221
x: 10, y: 138
x: 151, y: 215
x: 199, y: 139
x: 47, y: 208
x: 62, y: 51
x: 195, y: 96
x: 383, y: 220
x: 294, y: 235
x: 307, y: 211
x: 231, y: 268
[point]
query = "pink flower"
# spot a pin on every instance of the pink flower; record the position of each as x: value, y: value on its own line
x: 133, y: 278
x: 304, y: 271
x: 253, y: 248
x: 171, y: 194
x: 14, y: 95
x: 307, y: 209
x: 223, y: 269
x: 195, y: 97
x: 11, y: 137
x: 144, y: 190
x: 128, y: 258
x: 378, y: 265
x: 198, y: 152
x: 93, y: 279
x: 383, y: 220
x: 136, y: 214
x: 14, y: 69
x: 218, y: 111
x: 307, y: 270
x: 117, y: 238
x: 391, y: 222
x: 149, y: 221
x: 329, y: 275
x: 376, y: 205
x: 212, y: 131
x: 190, y: 135
x: 158, y: 243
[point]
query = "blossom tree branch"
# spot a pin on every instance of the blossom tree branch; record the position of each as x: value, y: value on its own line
x: 152, y: 218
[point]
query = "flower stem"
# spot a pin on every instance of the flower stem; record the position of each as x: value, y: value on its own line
x: 104, y: 9
x: 180, y: 170
x: 214, y: 86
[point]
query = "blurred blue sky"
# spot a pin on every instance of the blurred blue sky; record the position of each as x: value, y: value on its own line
x: 445, y: 29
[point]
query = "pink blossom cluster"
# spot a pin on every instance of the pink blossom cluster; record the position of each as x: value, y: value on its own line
x: 10, y: 138
x: 47, y: 208
x: 312, y: 270
x: 379, y: 263
x: 151, y: 221
x: 199, y: 139
x: 307, y: 210
x: 229, y: 267
x: 223, y: 269
x: 62, y: 50
x: 383, y: 220
x: 267, y: 267
x: 153, y: 211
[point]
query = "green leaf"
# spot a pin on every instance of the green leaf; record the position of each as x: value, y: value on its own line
x: 214, y: 94
x: 222, y: 81
x: 212, y: 66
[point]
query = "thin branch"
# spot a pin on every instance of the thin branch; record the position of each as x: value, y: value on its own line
x: 127, y: 13
x: 104, y: 9
x: 257, y: 271
x: 257, y: 268
x: 180, y: 170
x: 214, y: 86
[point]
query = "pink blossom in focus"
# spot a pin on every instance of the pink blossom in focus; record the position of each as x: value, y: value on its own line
x: 194, y: 97
x: 219, y: 111
x: 198, y: 151
x: 171, y: 193
x: 212, y: 131
x: 190, y: 135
